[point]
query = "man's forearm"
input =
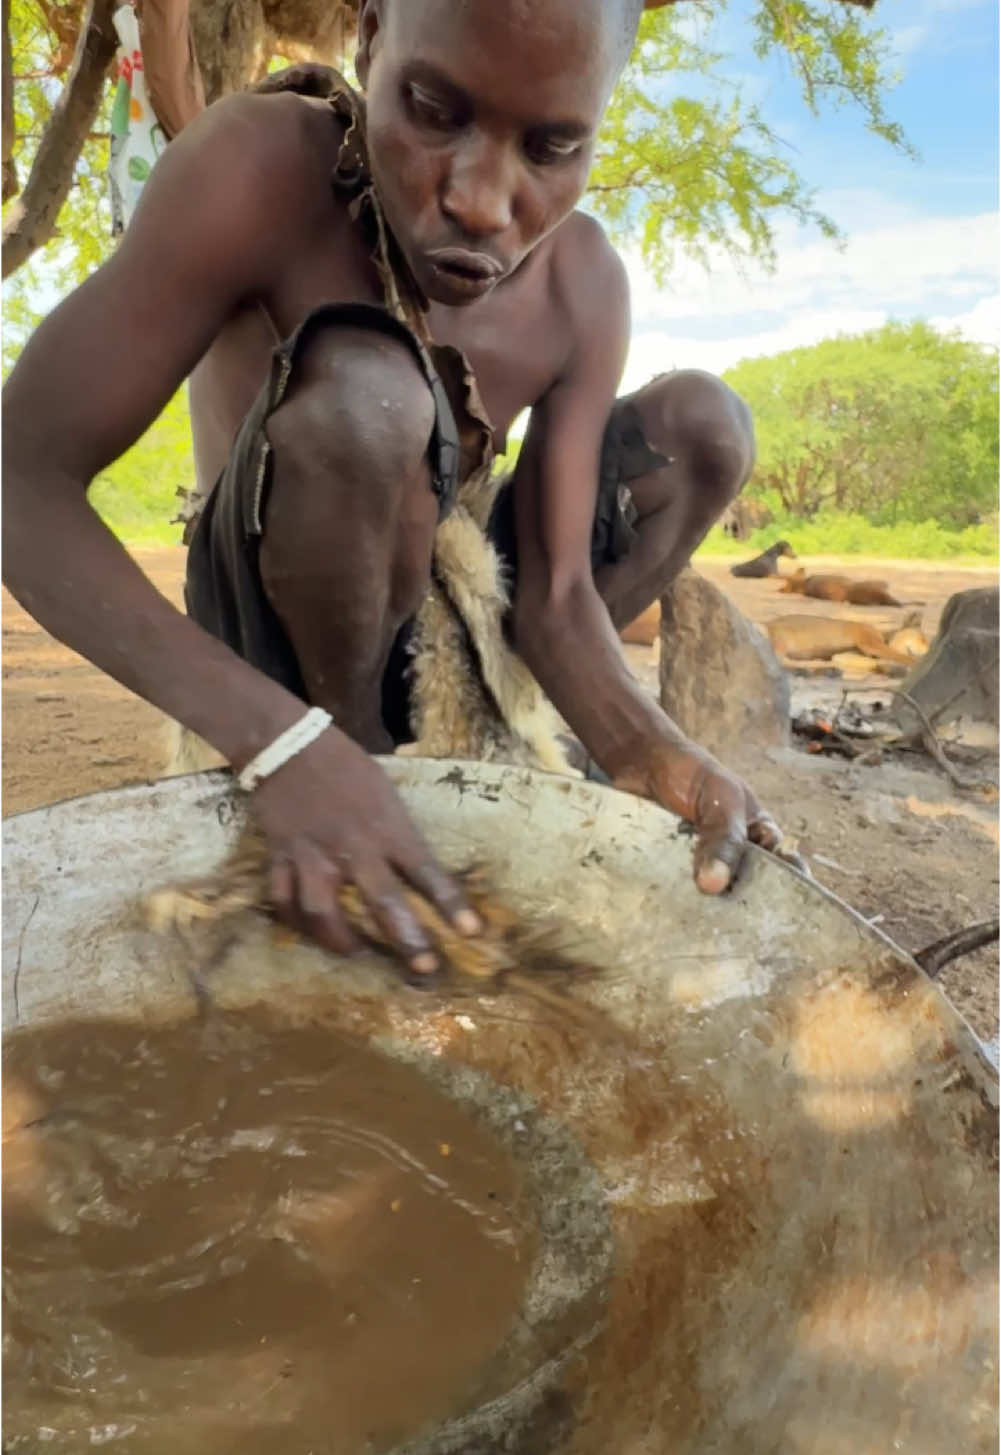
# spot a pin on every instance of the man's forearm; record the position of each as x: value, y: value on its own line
x: 78, y: 582
x: 574, y: 653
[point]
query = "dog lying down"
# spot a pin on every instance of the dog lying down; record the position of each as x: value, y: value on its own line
x: 854, y: 647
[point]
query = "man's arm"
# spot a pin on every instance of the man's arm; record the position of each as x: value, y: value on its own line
x: 208, y: 234
x: 92, y: 378
x: 562, y: 627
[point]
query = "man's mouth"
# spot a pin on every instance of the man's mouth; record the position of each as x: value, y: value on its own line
x: 462, y: 273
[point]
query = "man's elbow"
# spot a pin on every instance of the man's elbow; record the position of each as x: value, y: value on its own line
x: 32, y: 487
x: 542, y: 615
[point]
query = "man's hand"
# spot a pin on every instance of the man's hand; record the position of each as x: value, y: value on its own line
x: 724, y: 811
x: 331, y: 817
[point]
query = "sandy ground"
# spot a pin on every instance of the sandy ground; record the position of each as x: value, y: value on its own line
x: 897, y: 841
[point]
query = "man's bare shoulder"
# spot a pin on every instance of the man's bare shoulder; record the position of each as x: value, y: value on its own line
x: 272, y: 146
x: 588, y: 277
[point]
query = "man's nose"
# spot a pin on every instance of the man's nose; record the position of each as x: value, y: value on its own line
x: 479, y: 189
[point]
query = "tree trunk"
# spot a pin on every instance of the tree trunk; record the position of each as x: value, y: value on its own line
x: 32, y: 219
x: 10, y: 182
x: 173, y: 75
x: 235, y: 39
x: 229, y: 38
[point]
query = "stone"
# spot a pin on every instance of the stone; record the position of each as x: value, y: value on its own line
x: 720, y: 680
x: 958, y: 677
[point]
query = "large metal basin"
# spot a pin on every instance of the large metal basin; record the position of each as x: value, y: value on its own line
x: 764, y: 1169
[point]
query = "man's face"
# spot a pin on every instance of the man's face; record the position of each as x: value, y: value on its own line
x: 481, y: 119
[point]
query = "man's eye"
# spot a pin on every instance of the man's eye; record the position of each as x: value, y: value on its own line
x: 545, y: 151
x: 427, y: 109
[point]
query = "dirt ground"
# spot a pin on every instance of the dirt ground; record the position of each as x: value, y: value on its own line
x: 897, y: 841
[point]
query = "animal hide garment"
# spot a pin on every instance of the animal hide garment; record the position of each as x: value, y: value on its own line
x: 472, y: 696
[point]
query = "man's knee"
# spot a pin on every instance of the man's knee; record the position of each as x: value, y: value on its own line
x: 358, y: 404
x: 699, y: 419
x: 350, y: 495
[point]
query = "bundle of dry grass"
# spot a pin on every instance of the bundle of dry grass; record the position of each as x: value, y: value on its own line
x: 510, y: 953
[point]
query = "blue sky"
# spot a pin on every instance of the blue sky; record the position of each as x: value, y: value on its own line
x: 923, y: 236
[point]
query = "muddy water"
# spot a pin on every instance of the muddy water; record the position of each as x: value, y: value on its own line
x: 229, y: 1237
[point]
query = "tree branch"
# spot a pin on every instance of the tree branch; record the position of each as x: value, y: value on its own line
x: 10, y: 182
x: 925, y: 737
x: 63, y: 21
x: 32, y: 220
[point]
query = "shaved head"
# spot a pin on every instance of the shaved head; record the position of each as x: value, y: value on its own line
x: 630, y: 13
x: 622, y: 17
x: 482, y: 117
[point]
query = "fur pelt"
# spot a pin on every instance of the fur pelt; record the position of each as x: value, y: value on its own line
x: 472, y: 695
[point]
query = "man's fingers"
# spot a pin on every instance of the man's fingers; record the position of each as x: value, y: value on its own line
x: 316, y: 905
x: 304, y: 887
x: 281, y: 886
x: 763, y: 830
x: 429, y: 879
x: 721, y: 823
x: 386, y: 899
x: 720, y: 848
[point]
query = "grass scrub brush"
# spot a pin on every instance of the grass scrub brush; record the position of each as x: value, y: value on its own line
x: 511, y: 952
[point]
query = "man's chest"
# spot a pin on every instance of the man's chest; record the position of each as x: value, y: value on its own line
x: 517, y: 349
x: 515, y: 338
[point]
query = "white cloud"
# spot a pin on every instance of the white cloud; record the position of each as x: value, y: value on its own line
x: 981, y: 323
x: 908, y: 39
x: 945, y: 269
x: 931, y: 22
x: 656, y: 351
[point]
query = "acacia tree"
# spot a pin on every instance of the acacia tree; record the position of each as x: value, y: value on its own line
x: 678, y: 172
x: 897, y: 424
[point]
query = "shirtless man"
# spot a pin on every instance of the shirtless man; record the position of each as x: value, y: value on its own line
x: 480, y: 124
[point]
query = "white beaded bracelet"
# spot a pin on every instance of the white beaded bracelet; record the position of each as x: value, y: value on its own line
x: 286, y: 746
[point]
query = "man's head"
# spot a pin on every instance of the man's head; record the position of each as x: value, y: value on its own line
x: 482, y: 118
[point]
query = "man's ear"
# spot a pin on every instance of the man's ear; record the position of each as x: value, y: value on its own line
x: 370, y: 23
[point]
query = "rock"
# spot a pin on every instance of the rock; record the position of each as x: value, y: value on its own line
x: 958, y: 678
x: 720, y: 680
x: 643, y: 631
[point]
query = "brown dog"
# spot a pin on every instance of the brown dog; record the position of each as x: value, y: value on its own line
x: 910, y: 639
x: 812, y: 638
x: 840, y: 589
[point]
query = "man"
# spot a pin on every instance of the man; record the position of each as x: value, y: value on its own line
x: 314, y: 549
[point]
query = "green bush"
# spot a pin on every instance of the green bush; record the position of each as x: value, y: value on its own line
x: 137, y: 495
x: 900, y: 423
x: 833, y: 534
